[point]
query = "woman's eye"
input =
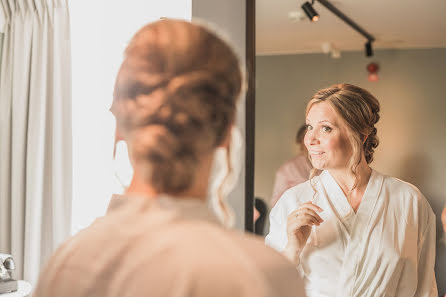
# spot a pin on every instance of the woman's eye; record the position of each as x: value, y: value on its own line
x: 326, y: 129
x: 309, y: 127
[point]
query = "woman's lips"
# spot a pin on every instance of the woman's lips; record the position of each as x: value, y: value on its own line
x: 316, y: 153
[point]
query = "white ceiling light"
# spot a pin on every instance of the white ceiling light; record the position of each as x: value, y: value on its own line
x: 328, y: 48
x: 296, y: 16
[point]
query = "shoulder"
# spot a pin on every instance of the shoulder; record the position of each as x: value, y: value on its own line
x: 402, y: 191
x: 406, y: 196
x: 201, y: 256
x: 243, y: 260
x: 221, y: 246
x: 281, y: 276
x: 400, y: 185
x: 229, y: 262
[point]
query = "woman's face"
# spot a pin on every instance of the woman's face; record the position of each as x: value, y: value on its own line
x: 326, y: 138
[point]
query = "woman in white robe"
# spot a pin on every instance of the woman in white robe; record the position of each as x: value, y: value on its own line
x: 175, y: 102
x: 352, y: 231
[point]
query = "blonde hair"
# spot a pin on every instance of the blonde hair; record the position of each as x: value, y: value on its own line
x: 360, y: 112
x: 174, y: 100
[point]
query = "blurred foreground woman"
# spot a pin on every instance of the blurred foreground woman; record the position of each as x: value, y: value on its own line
x: 175, y: 102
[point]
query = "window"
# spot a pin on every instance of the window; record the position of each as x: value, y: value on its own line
x: 99, y: 33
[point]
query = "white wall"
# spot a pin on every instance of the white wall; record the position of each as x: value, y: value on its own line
x: 230, y: 17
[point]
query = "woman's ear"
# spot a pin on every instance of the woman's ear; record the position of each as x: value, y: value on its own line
x: 227, y: 138
x: 118, y: 138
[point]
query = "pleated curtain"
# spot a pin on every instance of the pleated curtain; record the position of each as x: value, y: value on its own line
x: 35, y: 132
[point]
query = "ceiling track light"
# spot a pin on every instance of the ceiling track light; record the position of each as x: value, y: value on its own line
x: 348, y: 21
x: 310, y: 12
x: 368, y: 49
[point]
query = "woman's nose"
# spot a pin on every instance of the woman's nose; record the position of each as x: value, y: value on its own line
x: 311, y: 138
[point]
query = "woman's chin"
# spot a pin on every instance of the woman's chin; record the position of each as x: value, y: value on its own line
x: 318, y: 166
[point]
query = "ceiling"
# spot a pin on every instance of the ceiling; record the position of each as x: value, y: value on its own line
x: 393, y: 23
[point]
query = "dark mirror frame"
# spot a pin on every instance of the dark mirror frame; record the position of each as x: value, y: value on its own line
x: 250, y: 113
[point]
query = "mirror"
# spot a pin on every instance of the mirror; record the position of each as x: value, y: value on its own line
x: 296, y: 57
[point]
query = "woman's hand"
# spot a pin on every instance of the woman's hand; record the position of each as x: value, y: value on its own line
x: 299, y: 226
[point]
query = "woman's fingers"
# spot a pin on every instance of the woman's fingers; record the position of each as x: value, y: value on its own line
x: 293, y: 216
x: 310, y: 213
x: 312, y: 206
x: 303, y: 220
x: 309, y: 220
x: 307, y: 205
x: 303, y: 211
x: 305, y: 215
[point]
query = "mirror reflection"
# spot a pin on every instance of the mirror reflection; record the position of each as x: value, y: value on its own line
x: 296, y: 58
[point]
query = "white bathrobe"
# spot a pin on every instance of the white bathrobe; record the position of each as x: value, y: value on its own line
x: 165, y: 247
x: 386, y: 248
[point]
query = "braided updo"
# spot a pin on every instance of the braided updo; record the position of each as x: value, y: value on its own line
x: 360, y: 111
x: 174, y: 100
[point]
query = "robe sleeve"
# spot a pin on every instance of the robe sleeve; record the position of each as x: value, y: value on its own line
x: 427, y: 285
x: 277, y: 237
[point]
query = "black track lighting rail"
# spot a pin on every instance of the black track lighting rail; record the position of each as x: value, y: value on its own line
x: 346, y: 19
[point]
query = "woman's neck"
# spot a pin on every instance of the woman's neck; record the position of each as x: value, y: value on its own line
x: 139, y: 188
x: 346, y: 180
x: 198, y: 190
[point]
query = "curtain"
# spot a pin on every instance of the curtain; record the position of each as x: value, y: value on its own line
x: 35, y: 132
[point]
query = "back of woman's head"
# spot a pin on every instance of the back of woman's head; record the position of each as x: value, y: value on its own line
x: 175, y: 100
x: 359, y: 111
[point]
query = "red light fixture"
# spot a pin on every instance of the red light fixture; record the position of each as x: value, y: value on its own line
x: 372, y: 69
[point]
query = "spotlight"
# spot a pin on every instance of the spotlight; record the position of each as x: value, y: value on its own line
x: 310, y: 12
x: 368, y: 49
